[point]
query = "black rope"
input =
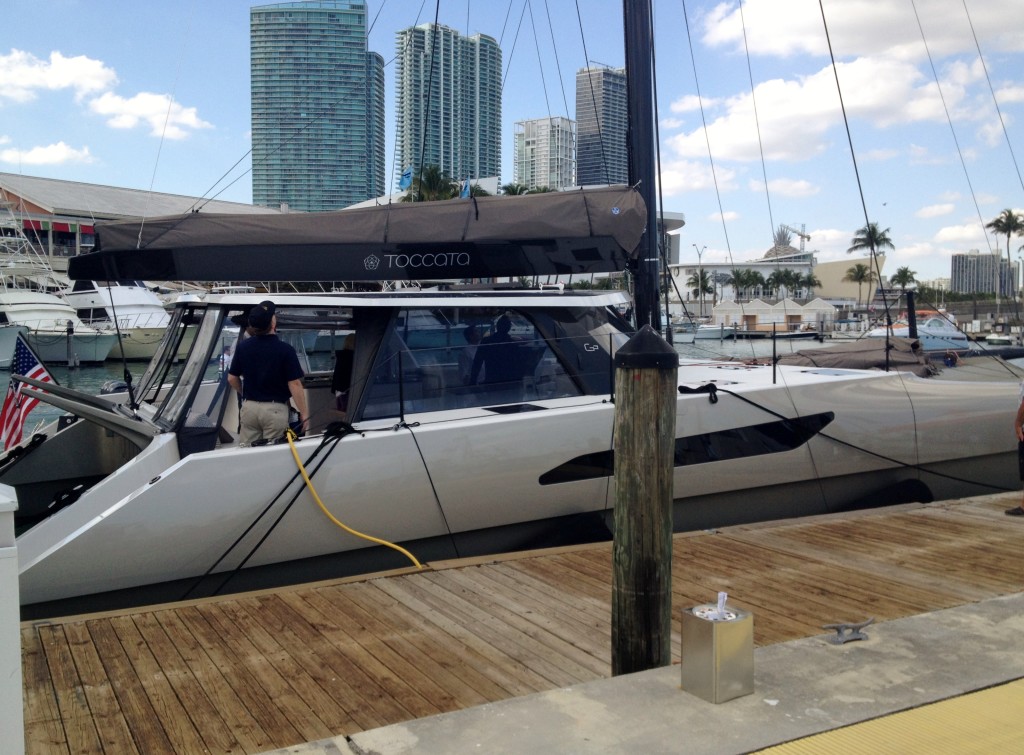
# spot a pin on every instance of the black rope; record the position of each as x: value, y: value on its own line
x: 335, y: 433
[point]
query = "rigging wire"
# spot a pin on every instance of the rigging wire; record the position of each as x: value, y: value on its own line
x: 856, y: 170
x: 959, y: 151
x: 999, y: 112
x: 558, y: 65
x: 540, y: 63
x: 734, y: 281
x: 593, y: 96
x: 764, y: 169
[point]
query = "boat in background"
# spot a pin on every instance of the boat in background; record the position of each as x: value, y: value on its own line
x: 935, y: 333
x: 128, y: 308
x: 8, y: 337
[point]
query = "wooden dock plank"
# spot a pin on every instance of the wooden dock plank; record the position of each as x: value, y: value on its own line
x: 363, y: 698
x: 421, y: 664
x: 492, y: 648
x: 77, y: 719
x: 141, y: 718
x: 168, y: 710
x: 276, y: 690
x: 261, y: 671
x: 197, y: 662
x: 200, y: 709
x: 242, y: 682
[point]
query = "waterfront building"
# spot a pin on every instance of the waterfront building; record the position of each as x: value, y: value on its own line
x: 448, y: 102
x: 601, y: 120
x: 317, y: 106
x: 58, y: 218
x: 544, y: 153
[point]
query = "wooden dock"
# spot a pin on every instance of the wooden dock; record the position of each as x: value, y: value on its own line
x: 266, y: 670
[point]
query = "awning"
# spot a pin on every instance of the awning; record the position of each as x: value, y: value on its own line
x: 557, y: 233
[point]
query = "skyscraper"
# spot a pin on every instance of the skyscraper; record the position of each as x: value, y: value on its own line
x: 544, y: 153
x: 601, y: 120
x: 976, y: 273
x: 448, y: 101
x: 317, y: 106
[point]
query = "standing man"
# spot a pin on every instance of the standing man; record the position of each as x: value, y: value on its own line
x: 266, y: 372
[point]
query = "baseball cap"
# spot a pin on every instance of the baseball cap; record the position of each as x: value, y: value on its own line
x: 260, y: 315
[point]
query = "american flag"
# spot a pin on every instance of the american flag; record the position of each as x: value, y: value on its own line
x: 16, y: 406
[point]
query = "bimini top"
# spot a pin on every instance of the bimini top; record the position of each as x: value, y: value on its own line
x: 554, y: 233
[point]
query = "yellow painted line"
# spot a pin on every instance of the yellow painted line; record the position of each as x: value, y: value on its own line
x: 980, y: 722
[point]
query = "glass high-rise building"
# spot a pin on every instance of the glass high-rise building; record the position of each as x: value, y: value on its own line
x: 448, y: 102
x: 317, y: 106
x: 544, y: 153
x: 601, y: 121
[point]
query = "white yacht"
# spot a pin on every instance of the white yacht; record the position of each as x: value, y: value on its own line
x: 935, y: 333
x: 52, y: 327
x: 128, y: 308
x: 152, y: 491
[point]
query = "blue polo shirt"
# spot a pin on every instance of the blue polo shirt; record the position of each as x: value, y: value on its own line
x: 266, y: 365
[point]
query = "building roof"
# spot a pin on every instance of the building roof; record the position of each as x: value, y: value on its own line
x: 109, y: 202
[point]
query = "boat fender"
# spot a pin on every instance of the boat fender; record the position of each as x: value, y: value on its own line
x: 711, y: 389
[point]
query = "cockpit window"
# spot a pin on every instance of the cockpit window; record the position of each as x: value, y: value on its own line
x: 438, y: 359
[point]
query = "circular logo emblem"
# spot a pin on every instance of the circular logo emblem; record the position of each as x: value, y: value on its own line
x: 372, y: 262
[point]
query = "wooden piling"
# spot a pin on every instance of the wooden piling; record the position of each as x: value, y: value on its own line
x: 645, y: 421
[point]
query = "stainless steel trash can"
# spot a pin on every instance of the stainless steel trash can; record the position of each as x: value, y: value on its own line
x: 718, y: 653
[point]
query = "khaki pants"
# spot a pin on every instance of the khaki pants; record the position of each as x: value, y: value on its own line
x: 262, y: 420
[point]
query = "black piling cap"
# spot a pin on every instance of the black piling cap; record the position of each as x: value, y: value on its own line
x: 647, y: 349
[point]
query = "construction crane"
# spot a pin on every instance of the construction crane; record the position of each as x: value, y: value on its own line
x: 802, y: 233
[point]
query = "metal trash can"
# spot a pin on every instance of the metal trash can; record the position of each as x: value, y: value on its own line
x: 718, y: 652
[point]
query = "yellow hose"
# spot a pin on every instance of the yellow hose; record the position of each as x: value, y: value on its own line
x: 309, y: 484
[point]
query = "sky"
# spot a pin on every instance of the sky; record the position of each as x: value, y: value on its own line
x: 155, y: 95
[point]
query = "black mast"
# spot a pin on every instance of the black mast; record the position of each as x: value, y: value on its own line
x: 640, y: 146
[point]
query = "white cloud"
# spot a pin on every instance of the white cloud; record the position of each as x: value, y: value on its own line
x: 858, y: 27
x: 880, y: 154
x: 150, y: 109
x: 935, y: 210
x: 53, y: 154
x: 691, y: 103
x: 969, y: 236
x: 23, y: 76
x: 678, y: 176
x: 727, y: 216
x: 786, y: 187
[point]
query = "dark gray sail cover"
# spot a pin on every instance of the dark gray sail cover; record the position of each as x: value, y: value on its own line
x: 554, y: 233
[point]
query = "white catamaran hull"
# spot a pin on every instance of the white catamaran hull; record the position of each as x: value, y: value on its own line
x: 159, y: 518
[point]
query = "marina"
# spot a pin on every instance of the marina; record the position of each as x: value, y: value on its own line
x: 341, y: 659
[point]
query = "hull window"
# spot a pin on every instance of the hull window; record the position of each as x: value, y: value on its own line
x: 734, y: 443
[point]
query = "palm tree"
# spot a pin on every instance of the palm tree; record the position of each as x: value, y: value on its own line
x: 1008, y: 222
x: 432, y: 184
x: 871, y: 238
x: 810, y: 282
x: 740, y: 282
x: 859, y: 274
x: 514, y: 189
x: 700, y: 284
x: 903, y: 277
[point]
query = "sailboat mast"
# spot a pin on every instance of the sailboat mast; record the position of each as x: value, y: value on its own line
x: 640, y: 147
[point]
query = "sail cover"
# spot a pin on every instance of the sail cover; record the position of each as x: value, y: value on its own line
x: 554, y: 233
